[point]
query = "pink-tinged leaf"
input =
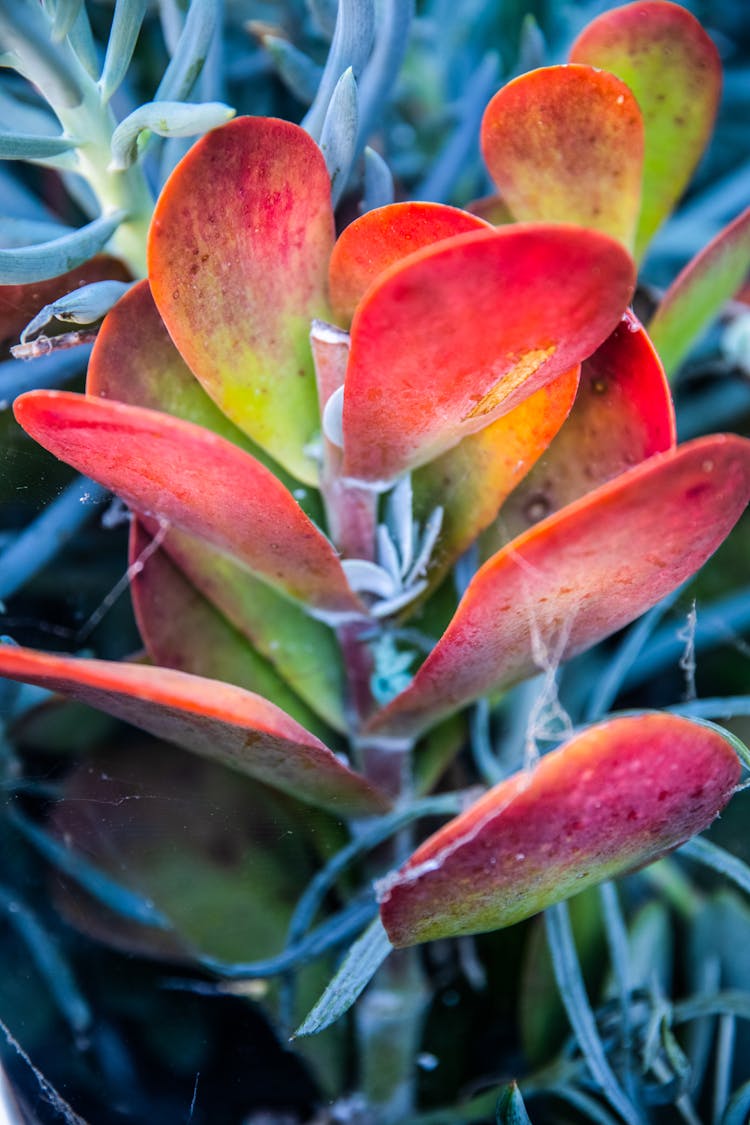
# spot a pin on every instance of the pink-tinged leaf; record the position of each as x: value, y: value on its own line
x: 461, y: 332
x: 666, y: 58
x: 580, y: 575
x: 612, y: 799
x: 302, y: 650
x: 473, y: 479
x: 182, y: 630
x: 623, y: 415
x: 19, y: 303
x: 382, y: 237
x: 217, y: 720
x: 565, y: 144
x: 196, y: 480
x: 238, y: 255
x: 697, y: 295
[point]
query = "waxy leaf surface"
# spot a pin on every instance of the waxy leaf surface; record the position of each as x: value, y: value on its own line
x: 473, y: 479
x: 181, y: 629
x: 238, y: 255
x: 666, y: 58
x: 303, y: 651
x: 698, y: 293
x: 461, y: 332
x: 214, y: 719
x: 380, y: 238
x: 613, y: 798
x: 565, y: 144
x: 196, y: 480
x: 580, y: 575
x: 622, y: 415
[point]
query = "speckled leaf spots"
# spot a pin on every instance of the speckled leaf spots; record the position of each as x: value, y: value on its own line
x: 666, y: 58
x: 471, y: 481
x: 382, y: 237
x: 214, y: 719
x: 565, y: 144
x: 580, y: 575
x: 461, y: 332
x: 238, y: 256
x: 613, y: 798
x: 181, y: 629
x: 696, y: 296
x: 622, y: 415
x: 199, y: 482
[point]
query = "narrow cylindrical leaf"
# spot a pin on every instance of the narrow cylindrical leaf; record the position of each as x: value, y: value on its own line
x: 696, y: 296
x: 126, y: 25
x: 29, y: 146
x: 84, y: 305
x: 237, y: 263
x: 422, y: 377
x: 196, y: 480
x: 580, y: 575
x: 49, y: 259
x: 615, y: 797
x: 214, y: 719
x: 565, y: 144
x: 380, y: 238
x: 190, y: 52
x: 669, y: 62
x: 166, y: 119
x: 338, y: 138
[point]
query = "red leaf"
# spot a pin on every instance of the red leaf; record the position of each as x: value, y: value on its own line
x: 459, y: 333
x: 614, y: 798
x: 214, y: 719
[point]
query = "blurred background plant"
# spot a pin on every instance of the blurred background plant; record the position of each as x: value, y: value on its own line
x: 101, y: 1023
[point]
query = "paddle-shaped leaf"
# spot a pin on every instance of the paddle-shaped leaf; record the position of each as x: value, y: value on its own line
x: 565, y: 144
x: 459, y: 333
x: 380, y: 238
x: 696, y: 296
x: 622, y: 415
x: 613, y: 798
x: 200, y: 482
x: 580, y: 575
x: 214, y: 719
x: 666, y: 58
x: 182, y: 630
x: 238, y: 255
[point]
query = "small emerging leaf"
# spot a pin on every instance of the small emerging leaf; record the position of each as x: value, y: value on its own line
x: 613, y: 798
x: 214, y: 719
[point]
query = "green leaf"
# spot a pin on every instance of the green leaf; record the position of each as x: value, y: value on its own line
x: 190, y: 53
x: 83, y: 306
x: 25, y: 34
x: 28, y: 146
x: 338, y: 139
x: 357, y: 970
x: 510, y: 1107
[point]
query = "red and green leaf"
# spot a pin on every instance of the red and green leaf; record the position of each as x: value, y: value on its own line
x: 669, y: 62
x: 612, y: 799
x: 580, y: 575
x: 565, y: 144
x: 238, y: 256
x: 382, y: 237
x: 461, y: 332
x: 198, y: 481
x: 622, y: 415
x: 697, y: 295
x: 214, y: 719
x: 182, y: 630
